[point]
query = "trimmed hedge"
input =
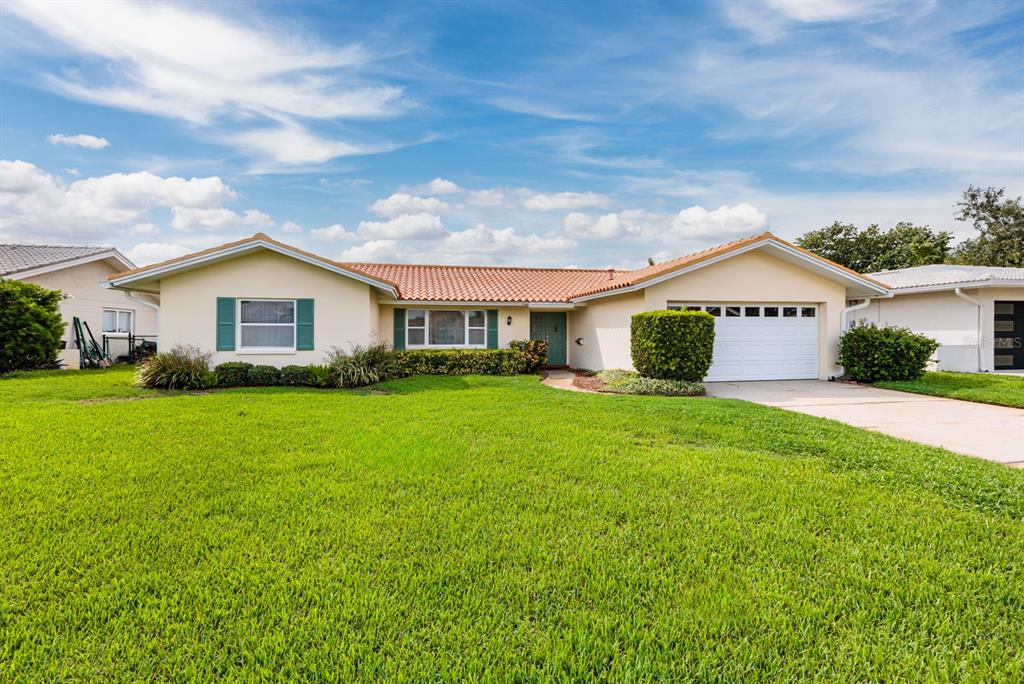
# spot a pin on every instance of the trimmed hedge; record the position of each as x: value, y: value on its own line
x: 294, y: 376
x: 672, y: 345
x: 535, y: 351
x: 870, y: 353
x: 30, y: 326
x: 264, y: 376
x: 233, y: 373
x: 459, y: 362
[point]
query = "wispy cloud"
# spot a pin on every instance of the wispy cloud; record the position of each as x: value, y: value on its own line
x: 226, y: 70
x: 90, y: 142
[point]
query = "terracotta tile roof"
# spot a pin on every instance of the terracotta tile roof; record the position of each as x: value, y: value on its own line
x: 18, y: 258
x: 485, y: 283
x: 415, y: 282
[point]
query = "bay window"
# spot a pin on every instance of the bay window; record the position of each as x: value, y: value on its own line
x: 446, y: 328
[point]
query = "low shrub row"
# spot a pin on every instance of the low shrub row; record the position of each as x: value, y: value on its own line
x: 459, y: 362
x: 628, y: 382
x: 189, y: 368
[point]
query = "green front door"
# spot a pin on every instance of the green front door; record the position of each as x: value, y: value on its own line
x: 550, y: 326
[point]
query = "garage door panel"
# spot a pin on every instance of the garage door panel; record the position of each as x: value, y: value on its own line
x: 764, y: 347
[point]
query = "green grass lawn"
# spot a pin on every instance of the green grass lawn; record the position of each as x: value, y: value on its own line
x: 1004, y: 390
x: 489, y: 528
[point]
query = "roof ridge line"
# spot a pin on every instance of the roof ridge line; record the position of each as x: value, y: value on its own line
x: 494, y: 268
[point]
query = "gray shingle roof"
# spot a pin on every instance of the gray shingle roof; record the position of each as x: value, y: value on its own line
x: 18, y: 258
x: 938, y: 275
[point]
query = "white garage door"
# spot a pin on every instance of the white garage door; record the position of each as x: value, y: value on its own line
x: 762, y: 341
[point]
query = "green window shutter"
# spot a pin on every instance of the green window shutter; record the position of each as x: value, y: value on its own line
x: 225, y: 324
x: 399, y: 340
x: 304, y: 324
x: 492, y: 328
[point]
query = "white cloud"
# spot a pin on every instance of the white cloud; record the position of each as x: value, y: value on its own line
x: 218, y: 218
x: 441, y: 186
x: 291, y: 227
x: 565, y: 200
x: 606, y: 227
x: 81, y: 140
x: 811, y: 11
x: 332, y: 233
x: 33, y: 203
x: 721, y: 224
x: 374, y: 250
x: 227, y: 70
x: 150, y: 252
x: 145, y: 229
x: 485, y: 245
x: 291, y: 144
x: 417, y: 226
x: 402, y: 203
x: 486, y: 198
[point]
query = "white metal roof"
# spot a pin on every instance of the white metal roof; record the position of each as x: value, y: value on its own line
x: 948, y: 276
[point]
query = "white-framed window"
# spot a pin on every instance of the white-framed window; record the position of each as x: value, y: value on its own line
x: 118, y: 321
x: 266, y: 325
x: 446, y: 328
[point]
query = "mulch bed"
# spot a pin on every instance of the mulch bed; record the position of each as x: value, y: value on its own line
x: 588, y: 382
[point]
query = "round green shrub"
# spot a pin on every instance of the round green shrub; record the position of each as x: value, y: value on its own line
x: 263, y: 376
x: 295, y: 375
x: 30, y: 326
x: 536, y: 352
x: 870, y: 353
x: 233, y: 374
x: 672, y: 345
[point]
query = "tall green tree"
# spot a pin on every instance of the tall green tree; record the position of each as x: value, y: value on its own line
x: 1000, y: 223
x: 873, y: 249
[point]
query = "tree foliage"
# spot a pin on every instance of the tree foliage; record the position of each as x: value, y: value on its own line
x: 30, y: 326
x: 1000, y: 223
x: 873, y: 249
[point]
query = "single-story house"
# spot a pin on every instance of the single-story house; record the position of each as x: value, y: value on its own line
x: 779, y: 309
x: 81, y: 273
x: 976, y: 313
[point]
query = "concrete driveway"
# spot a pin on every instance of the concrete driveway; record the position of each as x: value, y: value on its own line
x: 995, y: 433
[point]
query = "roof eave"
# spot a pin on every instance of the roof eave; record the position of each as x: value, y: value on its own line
x: 839, y: 273
x: 111, y: 254
x: 159, y: 270
x: 969, y: 285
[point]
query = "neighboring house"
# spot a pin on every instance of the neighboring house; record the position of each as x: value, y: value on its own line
x: 779, y: 309
x: 80, y: 273
x: 976, y: 313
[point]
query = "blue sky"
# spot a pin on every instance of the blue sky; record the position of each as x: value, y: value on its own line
x: 562, y: 134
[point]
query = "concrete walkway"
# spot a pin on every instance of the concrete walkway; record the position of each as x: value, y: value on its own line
x: 561, y: 379
x: 995, y: 433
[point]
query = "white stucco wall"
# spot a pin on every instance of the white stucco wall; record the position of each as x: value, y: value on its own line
x: 950, y: 320
x: 344, y: 311
x: 602, y: 326
x: 752, y: 277
x: 88, y: 298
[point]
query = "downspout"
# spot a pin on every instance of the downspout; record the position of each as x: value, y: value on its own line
x: 156, y: 307
x: 960, y: 293
x: 844, y: 318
